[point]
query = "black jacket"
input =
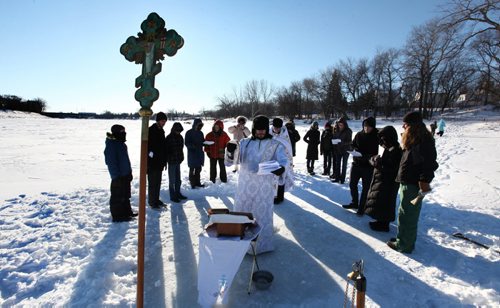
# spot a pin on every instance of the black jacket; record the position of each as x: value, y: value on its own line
x: 326, y: 145
x: 367, y: 145
x: 174, y: 146
x: 156, y: 146
x: 418, y: 163
x: 312, y: 139
x: 381, y: 199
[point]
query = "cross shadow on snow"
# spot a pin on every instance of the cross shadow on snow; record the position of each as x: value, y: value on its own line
x: 185, y: 260
x: 94, y: 281
x: 338, y: 249
x: 154, y: 290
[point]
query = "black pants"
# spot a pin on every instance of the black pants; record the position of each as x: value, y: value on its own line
x: 281, y: 193
x: 213, y: 169
x: 119, y: 203
x: 194, y: 176
x: 154, y: 186
x: 310, y: 165
x: 341, y: 160
x: 364, y: 173
x: 327, y: 162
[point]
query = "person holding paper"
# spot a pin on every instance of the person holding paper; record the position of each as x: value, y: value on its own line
x: 416, y: 171
x: 344, y: 134
x: 366, y: 143
x: 255, y: 192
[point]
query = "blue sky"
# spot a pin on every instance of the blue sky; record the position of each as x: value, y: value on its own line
x: 67, y: 52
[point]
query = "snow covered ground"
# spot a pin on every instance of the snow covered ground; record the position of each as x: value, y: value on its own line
x: 58, y: 245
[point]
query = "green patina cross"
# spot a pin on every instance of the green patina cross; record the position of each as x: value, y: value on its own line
x: 147, y: 48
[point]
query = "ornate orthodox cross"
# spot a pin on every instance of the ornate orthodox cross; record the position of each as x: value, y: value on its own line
x: 147, y: 49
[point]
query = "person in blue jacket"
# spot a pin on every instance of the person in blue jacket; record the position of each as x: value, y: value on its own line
x: 440, y: 127
x: 196, y: 158
x: 120, y: 170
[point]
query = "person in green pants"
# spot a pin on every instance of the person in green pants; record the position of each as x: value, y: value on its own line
x: 416, y: 171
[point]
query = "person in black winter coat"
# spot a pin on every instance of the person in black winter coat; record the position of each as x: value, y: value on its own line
x: 156, y: 160
x: 366, y: 143
x: 381, y: 200
x: 326, y: 148
x: 344, y: 134
x: 174, y: 145
x: 312, y: 140
x: 293, y: 133
x: 120, y: 170
x: 416, y: 171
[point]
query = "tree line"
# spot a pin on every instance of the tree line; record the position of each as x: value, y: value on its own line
x: 12, y: 102
x: 454, y: 57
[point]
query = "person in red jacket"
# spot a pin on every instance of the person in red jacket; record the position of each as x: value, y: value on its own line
x: 215, y: 146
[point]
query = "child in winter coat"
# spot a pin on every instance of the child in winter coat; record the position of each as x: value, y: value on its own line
x: 217, y: 150
x: 174, y: 144
x: 312, y: 138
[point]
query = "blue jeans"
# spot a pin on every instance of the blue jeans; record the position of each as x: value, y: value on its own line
x: 174, y: 180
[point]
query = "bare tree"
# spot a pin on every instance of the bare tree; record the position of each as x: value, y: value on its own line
x: 475, y: 17
x: 488, y: 66
x: 356, y: 82
x: 385, y: 72
x: 427, y: 47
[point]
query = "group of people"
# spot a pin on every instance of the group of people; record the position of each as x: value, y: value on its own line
x: 408, y: 167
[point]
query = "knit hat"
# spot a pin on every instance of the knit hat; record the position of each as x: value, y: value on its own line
x: 277, y: 122
x: 328, y: 124
x: 370, y: 121
x: 412, y: 117
x: 260, y: 122
x: 116, y: 129
x: 161, y: 116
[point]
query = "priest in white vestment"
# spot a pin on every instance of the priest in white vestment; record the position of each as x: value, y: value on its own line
x: 255, y: 192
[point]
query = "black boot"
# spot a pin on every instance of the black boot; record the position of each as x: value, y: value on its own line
x: 379, y: 226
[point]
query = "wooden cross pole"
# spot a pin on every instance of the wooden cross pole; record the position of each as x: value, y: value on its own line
x: 147, y: 48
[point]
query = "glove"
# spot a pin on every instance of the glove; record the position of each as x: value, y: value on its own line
x: 130, y: 177
x: 151, y: 154
x: 279, y: 171
x: 231, y: 147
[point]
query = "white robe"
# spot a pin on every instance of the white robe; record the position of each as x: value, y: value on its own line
x: 287, y: 178
x: 255, y: 193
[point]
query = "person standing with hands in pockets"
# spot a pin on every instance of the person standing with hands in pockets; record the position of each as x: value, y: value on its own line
x: 120, y: 170
x: 416, y: 171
